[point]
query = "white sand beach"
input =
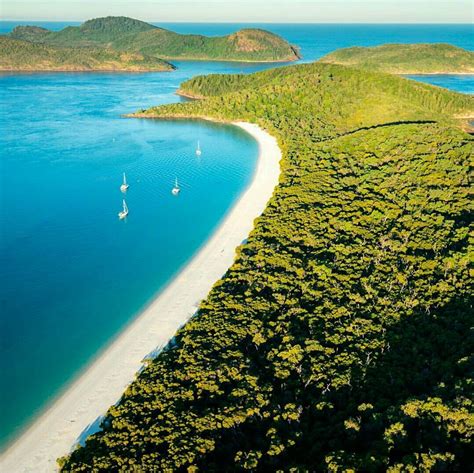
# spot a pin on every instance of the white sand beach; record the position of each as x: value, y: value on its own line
x: 57, y: 430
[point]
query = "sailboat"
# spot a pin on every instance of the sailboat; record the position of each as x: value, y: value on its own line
x: 176, y: 188
x: 124, y: 212
x: 198, y: 150
x: 124, y: 185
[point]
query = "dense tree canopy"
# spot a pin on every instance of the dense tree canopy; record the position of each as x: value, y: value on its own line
x: 133, y: 36
x: 23, y: 55
x: 339, y: 339
x: 406, y: 58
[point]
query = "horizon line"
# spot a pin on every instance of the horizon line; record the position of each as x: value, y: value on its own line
x: 254, y: 22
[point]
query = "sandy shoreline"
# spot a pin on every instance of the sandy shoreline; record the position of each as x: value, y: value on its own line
x: 54, y: 433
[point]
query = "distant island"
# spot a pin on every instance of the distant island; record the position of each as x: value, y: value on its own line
x: 406, y: 59
x: 337, y: 340
x: 121, y: 43
x: 18, y: 55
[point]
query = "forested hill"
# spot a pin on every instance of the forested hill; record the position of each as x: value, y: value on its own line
x: 406, y: 58
x: 127, y: 34
x: 18, y: 55
x: 339, y: 339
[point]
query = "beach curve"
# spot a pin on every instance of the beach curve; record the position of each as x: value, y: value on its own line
x: 58, y: 429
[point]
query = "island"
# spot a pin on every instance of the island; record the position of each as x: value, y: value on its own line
x: 406, y: 59
x: 121, y: 43
x: 19, y: 55
x: 337, y: 339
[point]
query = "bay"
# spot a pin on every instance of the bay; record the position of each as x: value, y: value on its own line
x: 73, y: 275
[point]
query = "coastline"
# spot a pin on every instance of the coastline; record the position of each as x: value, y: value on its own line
x: 101, y: 385
x: 188, y: 95
x: 144, y: 69
x: 78, y: 69
x: 433, y: 73
x: 243, y: 61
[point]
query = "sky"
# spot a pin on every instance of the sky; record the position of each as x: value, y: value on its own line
x: 271, y: 11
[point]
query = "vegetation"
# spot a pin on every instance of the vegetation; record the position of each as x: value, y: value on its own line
x: 127, y: 34
x: 339, y: 339
x: 406, y: 58
x: 29, y: 33
x: 17, y: 55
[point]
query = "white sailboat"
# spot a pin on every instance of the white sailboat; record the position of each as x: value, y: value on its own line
x: 176, y: 189
x: 124, y: 185
x: 198, y: 149
x: 124, y: 212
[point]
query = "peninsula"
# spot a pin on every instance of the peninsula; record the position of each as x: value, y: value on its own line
x: 19, y: 55
x: 337, y: 339
x: 406, y: 59
x: 126, y: 39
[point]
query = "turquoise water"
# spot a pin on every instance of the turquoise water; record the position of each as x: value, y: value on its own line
x: 73, y: 275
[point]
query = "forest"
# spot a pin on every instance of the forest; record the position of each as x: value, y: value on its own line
x: 125, y: 34
x: 339, y: 340
x: 19, y: 55
x: 406, y: 58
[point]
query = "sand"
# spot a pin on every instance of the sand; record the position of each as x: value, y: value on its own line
x: 57, y: 430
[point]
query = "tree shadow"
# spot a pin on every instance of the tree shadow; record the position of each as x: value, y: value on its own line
x: 92, y: 428
x: 427, y: 356
x: 424, y: 359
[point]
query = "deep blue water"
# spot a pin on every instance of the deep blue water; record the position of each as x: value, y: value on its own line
x: 73, y: 275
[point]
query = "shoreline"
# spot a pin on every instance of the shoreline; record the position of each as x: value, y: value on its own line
x: 433, y: 73
x: 57, y: 430
x: 188, y: 95
x: 243, y: 61
x: 144, y: 70
x: 112, y: 71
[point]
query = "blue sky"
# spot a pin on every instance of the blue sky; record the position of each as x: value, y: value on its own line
x: 282, y: 11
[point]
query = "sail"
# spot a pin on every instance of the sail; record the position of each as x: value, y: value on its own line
x: 124, y: 179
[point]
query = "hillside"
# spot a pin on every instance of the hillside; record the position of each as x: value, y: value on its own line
x: 245, y: 45
x: 29, y: 33
x: 18, y: 55
x: 126, y: 34
x: 406, y: 59
x: 347, y: 98
x: 338, y: 339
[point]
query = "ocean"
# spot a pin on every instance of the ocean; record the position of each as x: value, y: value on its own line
x: 73, y: 275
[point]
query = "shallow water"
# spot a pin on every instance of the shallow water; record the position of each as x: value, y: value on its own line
x: 73, y: 275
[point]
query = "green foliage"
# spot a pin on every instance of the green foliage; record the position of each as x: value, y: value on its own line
x: 331, y: 98
x: 29, y: 33
x: 23, y: 55
x: 245, y: 45
x: 127, y: 34
x: 115, y: 26
x: 91, y: 33
x: 339, y: 339
x: 406, y: 58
